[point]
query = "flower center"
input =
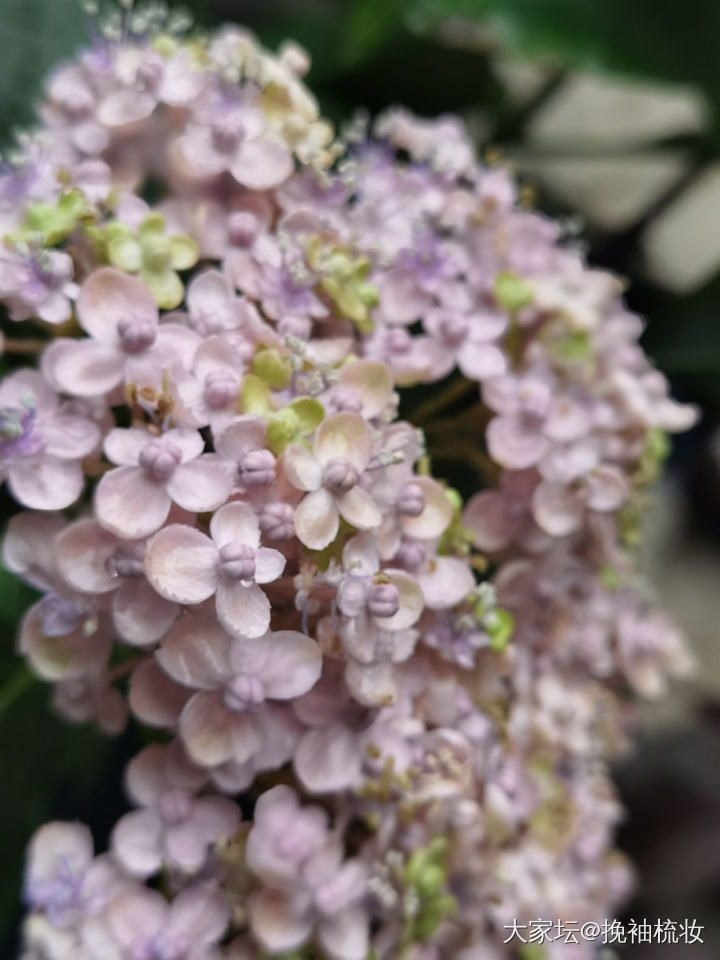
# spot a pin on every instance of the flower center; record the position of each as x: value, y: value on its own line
x: 383, y: 600
x: 243, y: 228
x: 159, y: 458
x: 411, y: 501
x: 453, y: 330
x: 339, y: 476
x: 58, y: 615
x: 59, y: 893
x: 175, y: 805
x: 227, y: 132
x: 398, y: 341
x: 244, y: 693
x: 19, y: 434
x: 276, y: 521
x: 237, y: 562
x: 257, y: 469
x: 221, y: 389
x: 136, y: 335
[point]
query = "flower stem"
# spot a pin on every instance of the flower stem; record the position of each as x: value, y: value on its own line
x: 23, y: 347
x: 455, y: 390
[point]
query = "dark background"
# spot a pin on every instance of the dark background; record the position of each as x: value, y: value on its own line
x: 451, y: 55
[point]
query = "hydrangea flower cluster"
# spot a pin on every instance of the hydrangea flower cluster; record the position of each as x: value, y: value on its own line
x: 380, y: 718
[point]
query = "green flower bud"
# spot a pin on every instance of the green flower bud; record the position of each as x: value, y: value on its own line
x: 499, y: 626
x: 511, y: 291
x: 53, y: 224
x: 272, y: 368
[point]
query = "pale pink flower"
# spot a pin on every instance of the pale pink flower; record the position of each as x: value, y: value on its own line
x: 185, y: 566
x: 243, y: 444
x: 329, y: 903
x: 468, y: 340
x: 341, y: 452
x: 121, y: 316
x: 329, y: 756
x: 143, y: 924
x: 133, y: 500
x: 209, y: 394
x: 283, y: 836
x: 65, y: 637
x: 560, y: 508
x: 41, y: 443
x: 92, y: 560
x: 230, y: 717
x: 38, y: 285
x: 230, y: 136
x: 496, y: 518
x: 62, y: 879
x: 176, y: 828
x: 213, y: 307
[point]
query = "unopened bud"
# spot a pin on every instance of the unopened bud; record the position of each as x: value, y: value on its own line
x: 257, y: 469
x: 136, y: 335
x: 411, y: 501
x: 383, y: 600
x: 339, y: 476
x: 352, y: 596
x: 243, y: 228
x: 243, y: 693
x: 237, y: 561
x: 221, y: 389
x: 276, y: 521
x: 159, y: 458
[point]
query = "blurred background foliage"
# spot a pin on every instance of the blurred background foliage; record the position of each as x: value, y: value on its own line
x: 606, y: 108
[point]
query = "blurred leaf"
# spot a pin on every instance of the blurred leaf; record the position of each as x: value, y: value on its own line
x: 666, y: 39
x: 683, y: 338
x: 369, y: 24
x: 15, y: 597
x: 36, y: 35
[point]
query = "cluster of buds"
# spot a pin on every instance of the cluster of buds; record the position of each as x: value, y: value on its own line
x: 382, y: 717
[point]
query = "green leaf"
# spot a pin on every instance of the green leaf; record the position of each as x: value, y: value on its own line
x: 36, y: 35
x: 660, y: 38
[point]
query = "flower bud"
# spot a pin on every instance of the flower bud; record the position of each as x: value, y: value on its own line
x: 276, y: 521
x: 136, y: 335
x: 295, y: 58
x: 257, y: 469
x: 243, y: 693
x: 339, y: 476
x: 411, y: 555
x: 243, y: 228
x: 346, y: 399
x: 398, y: 341
x: 159, y: 458
x: 221, y: 388
x: 352, y: 596
x: 383, y: 600
x: 58, y: 616
x: 411, y: 501
x: 227, y: 133
x: 175, y: 805
x: 237, y: 561
x: 149, y: 74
